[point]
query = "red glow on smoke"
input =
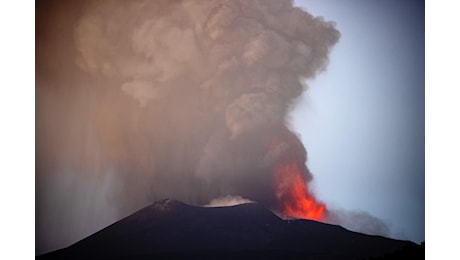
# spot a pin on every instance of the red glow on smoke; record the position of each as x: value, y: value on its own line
x: 291, y: 179
x: 292, y: 193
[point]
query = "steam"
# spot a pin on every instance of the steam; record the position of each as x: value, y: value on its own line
x: 176, y: 99
x: 228, y: 201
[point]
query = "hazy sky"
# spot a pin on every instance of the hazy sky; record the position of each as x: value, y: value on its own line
x: 362, y: 121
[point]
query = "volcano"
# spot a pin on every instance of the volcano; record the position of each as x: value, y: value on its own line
x: 172, y: 229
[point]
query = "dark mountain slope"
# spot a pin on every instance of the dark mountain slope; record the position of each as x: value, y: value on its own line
x: 171, y: 229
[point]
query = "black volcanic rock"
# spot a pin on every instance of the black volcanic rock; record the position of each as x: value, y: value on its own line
x: 171, y: 229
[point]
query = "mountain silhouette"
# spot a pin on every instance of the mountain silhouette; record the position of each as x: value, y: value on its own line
x: 169, y: 229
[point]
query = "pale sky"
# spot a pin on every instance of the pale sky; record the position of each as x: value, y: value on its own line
x: 362, y: 121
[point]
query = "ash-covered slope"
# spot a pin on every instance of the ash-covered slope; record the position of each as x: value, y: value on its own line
x: 171, y: 229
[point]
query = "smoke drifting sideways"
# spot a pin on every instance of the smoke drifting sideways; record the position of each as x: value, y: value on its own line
x: 142, y: 100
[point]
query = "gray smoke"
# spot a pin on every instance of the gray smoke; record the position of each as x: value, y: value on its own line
x: 358, y: 221
x: 142, y: 100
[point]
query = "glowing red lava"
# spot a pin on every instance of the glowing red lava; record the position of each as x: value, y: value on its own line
x: 292, y: 193
x: 290, y: 179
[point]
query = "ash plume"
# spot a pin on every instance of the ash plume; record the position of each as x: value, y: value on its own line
x: 155, y: 99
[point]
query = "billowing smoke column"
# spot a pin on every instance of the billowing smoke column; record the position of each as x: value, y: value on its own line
x: 181, y: 99
x: 217, y: 76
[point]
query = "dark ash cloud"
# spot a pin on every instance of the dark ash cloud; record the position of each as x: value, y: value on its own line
x: 142, y: 100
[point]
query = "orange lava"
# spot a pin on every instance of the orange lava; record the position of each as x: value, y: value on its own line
x: 292, y: 193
